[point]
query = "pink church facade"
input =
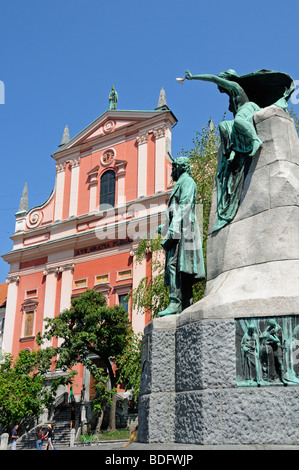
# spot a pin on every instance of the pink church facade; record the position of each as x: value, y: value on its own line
x: 111, y: 190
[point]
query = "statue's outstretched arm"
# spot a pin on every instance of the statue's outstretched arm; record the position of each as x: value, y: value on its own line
x: 222, y: 82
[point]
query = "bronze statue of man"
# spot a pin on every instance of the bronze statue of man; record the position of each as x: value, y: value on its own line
x: 182, y: 243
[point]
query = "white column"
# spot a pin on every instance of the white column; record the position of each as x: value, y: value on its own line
x: 93, y: 203
x: 75, y: 162
x: 10, y: 312
x: 93, y: 183
x: 142, y: 164
x: 120, y: 175
x: 66, y: 286
x: 50, y: 293
x: 160, y: 150
x: 59, y: 190
x: 66, y: 289
x: 50, y: 298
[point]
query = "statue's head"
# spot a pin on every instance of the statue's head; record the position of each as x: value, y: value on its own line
x: 251, y: 328
x: 228, y: 75
x: 180, y: 165
x: 272, y: 324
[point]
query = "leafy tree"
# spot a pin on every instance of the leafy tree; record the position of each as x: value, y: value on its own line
x: 88, y: 328
x: 22, y: 392
x: 129, y: 364
x: 151, y: 295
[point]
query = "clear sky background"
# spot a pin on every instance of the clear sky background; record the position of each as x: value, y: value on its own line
x: 59, y: 59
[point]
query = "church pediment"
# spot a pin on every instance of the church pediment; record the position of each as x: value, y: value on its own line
x: 109, y: 127
x: 107, y: 124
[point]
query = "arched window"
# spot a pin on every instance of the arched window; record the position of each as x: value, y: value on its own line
x: 107, y: 191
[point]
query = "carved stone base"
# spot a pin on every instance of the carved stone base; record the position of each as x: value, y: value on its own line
x: 190, y: 393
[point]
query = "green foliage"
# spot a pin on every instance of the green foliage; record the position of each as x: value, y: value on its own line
x: 90, y: 327
x: 148, y: 246
x: 103, y: 393
x: 129, y: 364
x: 119, y: 434
x: 22, y: 391
x: 151, y: 295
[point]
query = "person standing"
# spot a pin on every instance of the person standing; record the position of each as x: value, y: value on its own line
x: 72, y: 398
x: 39, y: 439
x: 14, y: 437
x: 73, y: 416
x: 49, y: 436
x: 82, y: 393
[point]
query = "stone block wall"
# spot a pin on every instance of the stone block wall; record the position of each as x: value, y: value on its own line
x: 195, y: 398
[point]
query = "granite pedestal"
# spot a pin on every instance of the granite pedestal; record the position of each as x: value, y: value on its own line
x: 189, y: 389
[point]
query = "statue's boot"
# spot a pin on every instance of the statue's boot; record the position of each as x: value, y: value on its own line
x: 172, y: 309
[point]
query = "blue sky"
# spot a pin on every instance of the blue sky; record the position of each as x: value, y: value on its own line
x: 59, y: 59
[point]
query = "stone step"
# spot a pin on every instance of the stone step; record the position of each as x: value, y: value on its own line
x: 61, y: 422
